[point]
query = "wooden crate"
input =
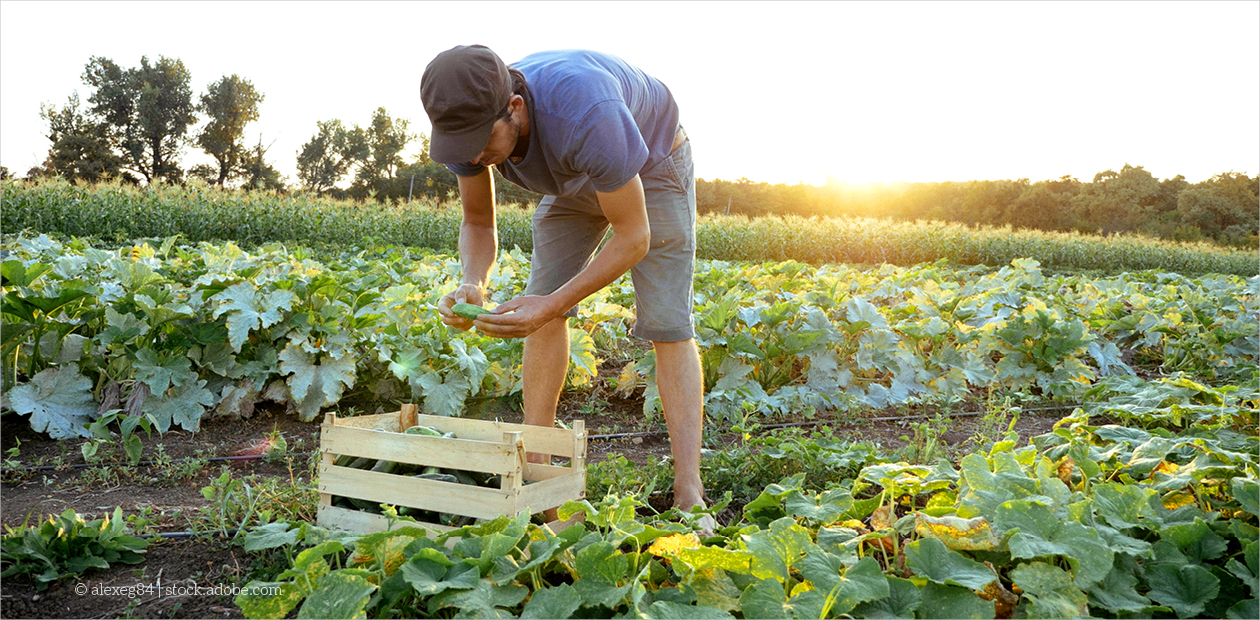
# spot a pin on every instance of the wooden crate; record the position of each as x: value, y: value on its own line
x: 483, y: 446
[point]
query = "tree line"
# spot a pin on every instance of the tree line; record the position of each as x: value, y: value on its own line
x: 1224, y: 209
x: 138, y: 121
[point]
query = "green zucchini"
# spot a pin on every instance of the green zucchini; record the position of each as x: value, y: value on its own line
x: 440, y: 477
x: 469, y: 311
x: 427, y: 431
x: 463, y: 477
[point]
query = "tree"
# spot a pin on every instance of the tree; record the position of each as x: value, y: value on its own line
x: 1045, y: 205
x: 1117, y: 202
x: 323, y: 159
x: 386, y: 139
x: 1223, y: 207
x: 148, y: 110
x: 372, y: 153
x: 258, y: 173
x: 81, y: 146
x: 231, y: 103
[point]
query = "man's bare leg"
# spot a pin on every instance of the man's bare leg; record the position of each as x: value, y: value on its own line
x: 681, y: 385
x: 546, y: 363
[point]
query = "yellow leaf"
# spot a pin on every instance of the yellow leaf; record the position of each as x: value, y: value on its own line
x: 1177, y: 500
x: 666, y: 546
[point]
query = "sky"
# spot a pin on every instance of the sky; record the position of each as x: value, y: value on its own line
x: 778, y: 92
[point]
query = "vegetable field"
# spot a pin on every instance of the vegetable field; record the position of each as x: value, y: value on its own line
x: 1141, y: 502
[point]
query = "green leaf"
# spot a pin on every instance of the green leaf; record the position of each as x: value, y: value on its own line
x: 258, y: 601
x: 182, y: 405
x: 862, y: 582
x: 824, y: 508
x: 714, y: 588
x: 1248, y: 571
x: 14, y: 273
x: 59, y: 401
x: 930, y: 558
x: 1050, y: 592
x: 160, y: 372
x: 765, y: 599
x: 314, y: 386
x: 248, y: 310
x: 902, y: 601
x: 1117, y: 593
x: 987, y: 489
x: 429, y: 572
x: 861, y: 311
x: 776, y: 549
x: 668, y: 610
x: 1244, y: 610
x: 1126, y: 505
x: 552, y: 602
x: 338, y: 595
x: 122, y: 328
x: 596, y: 593
x: 270, y: 536
x: 472, y: 361
x: 1185, y: 588
x: 1195, y: 540
x: 1247, y: 493
x: 940, y: 601
x: 484, y: 600
x: 1042, y: 534
x: 443, y: 395
x: 602, y: 562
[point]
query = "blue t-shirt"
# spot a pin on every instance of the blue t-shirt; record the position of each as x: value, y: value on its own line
x: 593, y: 119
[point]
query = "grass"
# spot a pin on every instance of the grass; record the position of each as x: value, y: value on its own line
x: 198, y: 213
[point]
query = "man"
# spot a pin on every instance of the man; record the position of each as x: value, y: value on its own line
x: 601, y: 140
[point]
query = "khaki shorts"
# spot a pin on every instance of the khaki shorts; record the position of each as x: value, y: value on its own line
x: 567, y: 232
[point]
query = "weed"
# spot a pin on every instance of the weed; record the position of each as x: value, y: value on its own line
x: 12, y: 469
x: 925, y: 445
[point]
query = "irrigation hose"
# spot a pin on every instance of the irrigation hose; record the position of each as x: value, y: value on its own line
x: 251, y: 457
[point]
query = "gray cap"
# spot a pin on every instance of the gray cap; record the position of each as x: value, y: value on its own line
x: 463, y: 90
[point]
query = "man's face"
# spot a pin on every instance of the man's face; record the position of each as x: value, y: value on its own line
x: 503, y: 136
x: 502, y: 142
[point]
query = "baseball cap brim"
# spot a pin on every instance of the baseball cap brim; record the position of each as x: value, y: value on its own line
x: 447, y: 148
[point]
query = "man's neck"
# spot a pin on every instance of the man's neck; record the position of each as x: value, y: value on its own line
x: 522, y: 137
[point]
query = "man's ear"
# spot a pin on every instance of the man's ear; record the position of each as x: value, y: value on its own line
x: 517, y: 103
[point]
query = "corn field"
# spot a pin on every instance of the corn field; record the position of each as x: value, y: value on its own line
x: 114, y: 212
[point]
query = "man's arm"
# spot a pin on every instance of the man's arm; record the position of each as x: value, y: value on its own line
x: 626, y: 212
x: 478, y: 246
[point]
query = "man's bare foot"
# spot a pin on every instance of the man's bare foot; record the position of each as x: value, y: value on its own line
x: 706, y: 525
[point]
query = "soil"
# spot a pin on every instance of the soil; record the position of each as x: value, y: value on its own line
x: 171, y: 496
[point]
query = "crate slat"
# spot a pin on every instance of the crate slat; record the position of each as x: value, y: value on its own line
x: 385, y: 421
x: 553, y: 493
x: 535, y: 472
x: 491, y: 457
x: 541, y: 439
x: 379, y: 487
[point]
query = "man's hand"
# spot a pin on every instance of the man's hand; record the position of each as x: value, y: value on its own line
x: 466, y: 293
x: 519, y: 317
